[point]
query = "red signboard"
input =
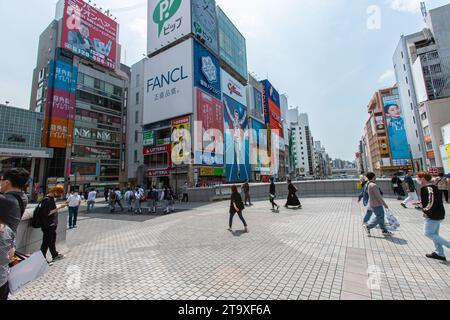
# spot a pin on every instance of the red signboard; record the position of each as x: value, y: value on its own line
x: 209, y: 111
x: 156, y: 150
x: 275, y: 117
x: 89, y: 33
x: 160, y: 172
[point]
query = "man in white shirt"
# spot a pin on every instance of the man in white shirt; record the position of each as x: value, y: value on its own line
x: 129, y: 197
x: 73, y: 202
x: 92, y: 196
x: 139, y: 196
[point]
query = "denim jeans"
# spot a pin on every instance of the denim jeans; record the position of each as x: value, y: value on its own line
x: 368, y: 215
x: 73, y: 215
x: 431, y: 230
x: 379, y: 213
x: 137, y: 205
x: 129, y: 205
x: 152, y: 205
x: 90, y: 205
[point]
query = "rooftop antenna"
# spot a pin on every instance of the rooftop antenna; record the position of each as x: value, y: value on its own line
x: 423, y: 7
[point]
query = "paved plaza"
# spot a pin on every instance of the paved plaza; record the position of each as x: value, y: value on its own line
x: 320, y: 252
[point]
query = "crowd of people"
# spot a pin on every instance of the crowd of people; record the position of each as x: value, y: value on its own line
x: 425, y: 194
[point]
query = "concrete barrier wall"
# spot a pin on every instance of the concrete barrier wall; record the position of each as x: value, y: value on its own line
x: 308, y: 189
x: 29, y: 240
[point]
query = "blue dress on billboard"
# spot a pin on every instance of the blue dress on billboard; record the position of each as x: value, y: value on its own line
x: 397, y: 138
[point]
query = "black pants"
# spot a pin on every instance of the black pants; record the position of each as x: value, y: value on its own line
x: 185, y: 197
x: 120, y: 204
x: 272, y: 201
x: 240, y: 217
x: 49, y: 242
x: 445, y: 195
x: 4, y: 292
x: 247, y: 198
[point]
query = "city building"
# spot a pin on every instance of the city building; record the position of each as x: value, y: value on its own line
x: 284, y: 123
x: 422, y: 68
x: 20, y: 144
x: 81, y: 89
x: 298, y: 123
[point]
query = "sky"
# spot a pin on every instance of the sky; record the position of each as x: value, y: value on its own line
x: 328, y: 56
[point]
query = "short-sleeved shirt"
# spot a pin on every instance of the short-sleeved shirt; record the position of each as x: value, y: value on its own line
x: 11, y: 209
x: 74, y: 200
x: 7, y: 236
x: 47, y: 206
x: 92, y: 196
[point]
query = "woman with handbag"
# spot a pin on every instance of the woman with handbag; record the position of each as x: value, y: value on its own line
x: 292, y: 200
x: 236, y: 206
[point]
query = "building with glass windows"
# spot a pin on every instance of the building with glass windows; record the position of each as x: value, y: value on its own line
x: 233, y: 47
x: 89, y: 145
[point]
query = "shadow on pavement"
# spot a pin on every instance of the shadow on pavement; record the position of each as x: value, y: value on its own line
x: 238, y: 233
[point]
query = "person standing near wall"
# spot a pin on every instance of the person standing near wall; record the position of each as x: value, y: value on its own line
x: 246, y: 188
x: 74, y: 203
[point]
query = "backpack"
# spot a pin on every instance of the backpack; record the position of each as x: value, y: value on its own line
x: 113, y: 196
x: 36, y: 222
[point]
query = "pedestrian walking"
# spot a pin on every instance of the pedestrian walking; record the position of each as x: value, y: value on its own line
x: 129, y: 198
x: 92, y: 196
x: 443, y: 186
x: 171, y: 200
x: 152, y: 199
x: 74, y: 203
x: 236, y: 206
x: 273, y: 194
x: 119, y: 198
x: 139, y: 197
x: 246, y: 188
x: 112, y: 200
x: 292, y: 199
x: 107, y: 193
x: 184, y: 189
x: 48, y: 216
x: 376, y: 206
x: 164, y: 199
x: 397, y: 186
x: 363, y: 182
x: 410, y: 190
x: 434, y: 214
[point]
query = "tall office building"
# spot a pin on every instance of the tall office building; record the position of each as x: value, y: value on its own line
x: 81, y: 88
x: 298, y: 123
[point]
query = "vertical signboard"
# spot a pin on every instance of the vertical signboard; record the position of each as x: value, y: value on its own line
x: 204, y: 23
x: 209, y: 144
x: 395, y: 124
x: 168, y: 21
x: 60, y: 105
x: 89, y: 33
x: 207, y: 71
x: 236, y: 141
x: 181, y: 146
x: 168, y: 84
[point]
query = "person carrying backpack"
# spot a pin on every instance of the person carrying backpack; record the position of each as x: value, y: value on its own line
x: 152, y: 199
x: 236, y: 206
x: 47, y: 213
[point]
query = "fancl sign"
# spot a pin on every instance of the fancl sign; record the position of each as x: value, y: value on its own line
x: 169, y: 80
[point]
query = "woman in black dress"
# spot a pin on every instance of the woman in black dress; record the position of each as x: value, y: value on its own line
x: 292, y: 200
x: 236, y: 206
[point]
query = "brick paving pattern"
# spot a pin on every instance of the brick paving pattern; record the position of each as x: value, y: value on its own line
x: 320, y: 252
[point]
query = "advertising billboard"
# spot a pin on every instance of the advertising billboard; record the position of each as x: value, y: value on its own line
x: 233, y: 88
x: 89, y: 33
x: 207, y: 71
x: 396, y: 129
x: 258, y: 110
x: 181, y: 144
x: 204, y: 23
x: 168, y: 21
x: 275, y: 118
x: 259, y: 146
x: 211, y: 119
x: 236, y: 142
x: 168, y: 84
x: 60, y: 105
x: 160, y: 165
x: 445, y: 156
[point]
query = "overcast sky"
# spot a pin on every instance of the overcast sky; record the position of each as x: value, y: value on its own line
x: 319, y: 52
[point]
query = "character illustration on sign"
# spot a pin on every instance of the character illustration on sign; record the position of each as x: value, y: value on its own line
x: 396, y: 131
x: 80, y: 39
x: 238, y: 130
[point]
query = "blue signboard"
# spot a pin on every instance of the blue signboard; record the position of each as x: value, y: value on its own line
x: 63, y: 76
x: 396, y: 129
x: 271, y: 93
x: 237, y: 157
x: 207, y: 71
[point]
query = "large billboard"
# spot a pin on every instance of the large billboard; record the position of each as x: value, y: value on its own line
x: 209, y: 147
x: 168, y: 84
x: 236, y: 141
x: 89, y: 33
x: 395, y: 124
x: 60, y: 105
x: 160, y: 167
x: 259, y: 147
x: 207, y: 71
x: 181, y: 143
x: 168, y: 21
x: 233, y: 88
x: 204, y: 23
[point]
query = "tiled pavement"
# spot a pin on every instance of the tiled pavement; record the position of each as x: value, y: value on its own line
x: 320, y: 252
